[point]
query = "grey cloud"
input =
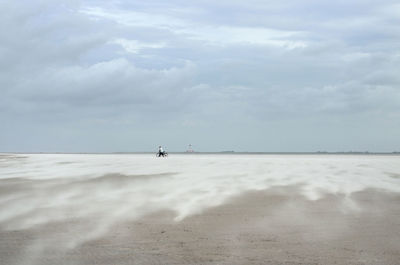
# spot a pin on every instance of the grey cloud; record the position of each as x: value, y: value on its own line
x: 110, y: 84
x: 220, y: 65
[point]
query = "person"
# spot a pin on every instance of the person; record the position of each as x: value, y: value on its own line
x: 160, y: 151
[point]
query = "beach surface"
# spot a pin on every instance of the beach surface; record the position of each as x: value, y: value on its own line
x: 199, y: 209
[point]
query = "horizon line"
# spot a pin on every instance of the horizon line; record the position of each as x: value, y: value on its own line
x: 209, y: 152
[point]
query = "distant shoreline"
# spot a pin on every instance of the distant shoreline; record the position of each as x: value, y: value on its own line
x: 215, y: 153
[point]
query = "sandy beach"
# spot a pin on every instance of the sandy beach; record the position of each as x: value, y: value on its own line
x: 65, y: 222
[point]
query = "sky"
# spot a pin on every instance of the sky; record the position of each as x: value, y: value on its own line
x: 255, y: 75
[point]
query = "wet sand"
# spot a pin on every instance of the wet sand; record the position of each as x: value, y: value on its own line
x: 275, y: 226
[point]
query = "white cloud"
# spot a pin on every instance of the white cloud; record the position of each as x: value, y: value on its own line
x: 224, y: 35
x: 133, y: 18
x: 134, y: 46
x: 210, y: 34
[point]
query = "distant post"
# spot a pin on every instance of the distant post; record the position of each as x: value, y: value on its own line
x: 190, y: 149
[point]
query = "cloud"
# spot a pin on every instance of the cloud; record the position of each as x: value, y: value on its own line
x: 133, y: 18
x: 214, y: 35
x: 203, y: 64
x: 107, y: 85
x: 135, y: 46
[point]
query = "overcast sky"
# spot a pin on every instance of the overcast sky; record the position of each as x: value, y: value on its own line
x: 254, y: 75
